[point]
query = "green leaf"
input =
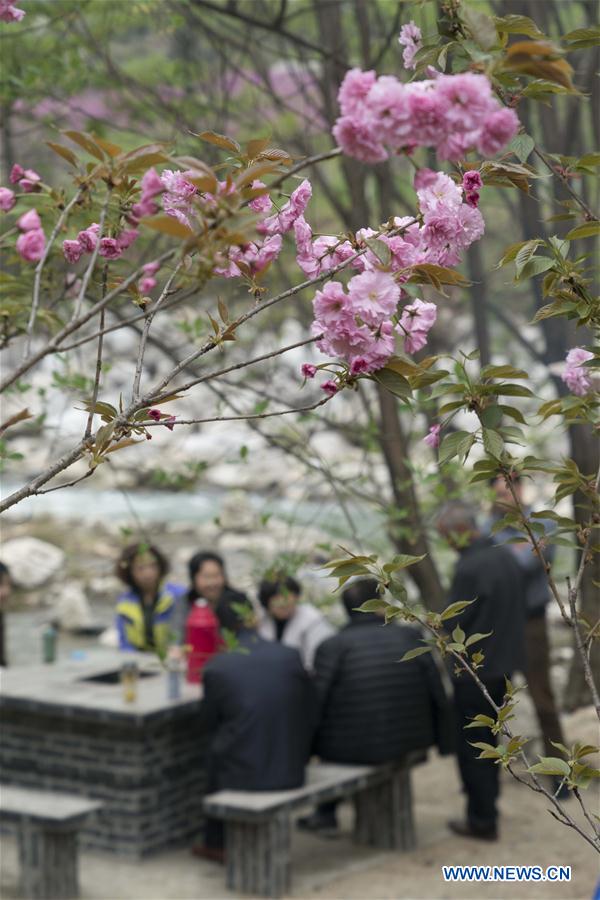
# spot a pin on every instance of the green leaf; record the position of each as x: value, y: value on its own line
x: 535, y: 267
x: 481, y: 26
x: 219, y: 140
x: 522, y: 146
x: 491, y: 416
x: 589, y: 229
x: 380, y: 249
x: 503, y: 372
x: 525, y: 253
x: 551, y: 765
x: 374, y: 605
x: 458, y: 635
x: 454, y: 609
x: 481, y: 721
x: 449, y: 447
x: 416, y: 651
x: 517, y: 25
x: 478, y: 636
x: 393, y: 382
x: 513, y: 390
x: 493, y: 443
x: 402, y: 561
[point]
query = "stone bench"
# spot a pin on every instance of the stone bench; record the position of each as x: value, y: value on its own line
x: 47, y: 826
x: 258, y: 824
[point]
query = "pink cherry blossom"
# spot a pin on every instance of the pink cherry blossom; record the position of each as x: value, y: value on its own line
x: 432, y: 438
x: 170, y: 422
x: 499, y: 128
x: 416, y: 321
x: 440, y: 197
x: 16, y: 173
x: 330, y: 302
x: 142, y: 209
x: 155, y: 414
x: 9, y: 12
x: 308, y: 370
x: 30, y: 182
x: 576, y: 376
x: 263, y: 203
x: 283, y: 221
x: 472, y: 198
x: 358, y: 139
x: 31, y: 245
x: 374, y: 296
x: 177, y: 201
x: 7, y: 199
x: 126, y: 238
x: 151, y: 184
x: 330, y: 387
x: 151, y: 268
x: 109, y: 248
x: 29, y: 221
x: 147, y: 284
x: 411, y: 39
x: 472, y: 181
x: 72, y: 251
x: 89, y: 237
x: 353, y: 91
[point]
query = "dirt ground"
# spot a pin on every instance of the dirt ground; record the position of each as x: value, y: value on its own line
x: 337, y: 870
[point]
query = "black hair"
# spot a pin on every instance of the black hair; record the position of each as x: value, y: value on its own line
x: 270, y: 589
x: 194, y: 566
x: 125, y: 564
x: 358, y: 593
x: 4, y: 570
x: 198, y: 560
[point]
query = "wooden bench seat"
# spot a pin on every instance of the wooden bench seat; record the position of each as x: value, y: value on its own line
x: 258, y: 824
x: 47, y: 826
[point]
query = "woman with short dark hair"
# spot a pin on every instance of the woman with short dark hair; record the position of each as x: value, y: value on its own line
x: 146, y: 613
x: 295, y: 624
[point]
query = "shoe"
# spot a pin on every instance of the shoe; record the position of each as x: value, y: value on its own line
x: 465, y: 829
x: 323, y: 824
x: 212, y: 854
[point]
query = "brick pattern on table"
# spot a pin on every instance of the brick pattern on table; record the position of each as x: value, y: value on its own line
x: 151, y: 775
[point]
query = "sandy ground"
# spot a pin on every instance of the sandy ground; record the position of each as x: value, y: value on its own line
x: 337, y: 870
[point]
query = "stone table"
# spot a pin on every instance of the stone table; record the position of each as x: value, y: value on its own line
x: 66, y: 727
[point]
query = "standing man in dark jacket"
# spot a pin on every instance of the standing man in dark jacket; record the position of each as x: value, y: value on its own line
x: 259, y: 708
x: 374, y: 708
x: 537, y: 597
x: 490, y: 576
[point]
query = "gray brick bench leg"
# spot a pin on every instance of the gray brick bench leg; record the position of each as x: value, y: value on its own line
x: 258, y: 856
x: 48, y: 860
x: 384, y: 814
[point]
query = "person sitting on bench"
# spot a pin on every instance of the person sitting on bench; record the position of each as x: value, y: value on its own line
x: 373, y: 708
x: 259, y: 708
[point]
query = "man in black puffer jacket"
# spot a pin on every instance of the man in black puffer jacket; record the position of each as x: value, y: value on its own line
x: 374, y: 708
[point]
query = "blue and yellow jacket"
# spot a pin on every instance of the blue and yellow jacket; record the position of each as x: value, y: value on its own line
x: 165, y: 616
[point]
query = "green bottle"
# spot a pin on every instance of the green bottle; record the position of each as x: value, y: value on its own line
x: 49, y: 635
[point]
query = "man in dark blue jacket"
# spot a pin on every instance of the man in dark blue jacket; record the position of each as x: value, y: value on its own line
x: 373, y: 708
x: 259, y: 708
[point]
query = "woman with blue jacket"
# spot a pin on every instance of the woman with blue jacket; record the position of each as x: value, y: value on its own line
x: 147, y: 614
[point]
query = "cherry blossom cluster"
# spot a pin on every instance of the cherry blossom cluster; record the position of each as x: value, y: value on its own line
x: 410, y: 39
x: 450, y: 223
x: 9, y: 12
x: 451, y: 113
x: 576, y: 375
x: 27, y: 179
x: 87, y: 240
x: 256, y: 255
x: 31, y: 243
